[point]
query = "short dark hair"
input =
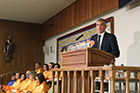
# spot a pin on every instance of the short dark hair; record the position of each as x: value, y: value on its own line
x: 47, y: 66
x: 101, y: 19
x: 41, y: 77
x: 38, y: 63
x: 57, y: 65
x: 52, y: 64
x: 13, y: 74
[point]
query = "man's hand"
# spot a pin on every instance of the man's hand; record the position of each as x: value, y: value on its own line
x: 90, y: 43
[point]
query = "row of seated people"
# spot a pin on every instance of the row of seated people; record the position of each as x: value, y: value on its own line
x: 33, y: 81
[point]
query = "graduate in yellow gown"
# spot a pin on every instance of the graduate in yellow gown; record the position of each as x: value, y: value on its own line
x: 41, y: 86
x: 51, y: 66
x: 33, y: 83
x: 46, y: 71
x: 38, y: 68
x: 57, y: 66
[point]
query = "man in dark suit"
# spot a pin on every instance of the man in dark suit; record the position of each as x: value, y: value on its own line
x: 103, y: 40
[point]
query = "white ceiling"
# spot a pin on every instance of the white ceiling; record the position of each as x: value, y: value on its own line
x: 33, y: 11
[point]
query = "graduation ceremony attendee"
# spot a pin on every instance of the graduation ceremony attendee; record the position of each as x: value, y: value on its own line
x: 38, y: 68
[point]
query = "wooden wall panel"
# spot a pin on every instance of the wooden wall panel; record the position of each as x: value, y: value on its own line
x: 95, y: 5
x: 71, y: 15
x: 28, y: 45
x: 76, y: 13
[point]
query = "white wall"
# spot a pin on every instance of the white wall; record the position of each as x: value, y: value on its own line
x: 126, y: 27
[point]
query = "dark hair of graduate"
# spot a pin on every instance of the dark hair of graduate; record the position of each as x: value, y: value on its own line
x: 47, y: 66
x: 24, y: 75
x: 38, y: 63
x: 52, y: 64
x: 57, y: 65
x: 41, y: 77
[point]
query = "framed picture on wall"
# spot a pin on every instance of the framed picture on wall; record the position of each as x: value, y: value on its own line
x: 78, y: 39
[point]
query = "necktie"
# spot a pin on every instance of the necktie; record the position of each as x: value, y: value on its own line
x: 98, y: 41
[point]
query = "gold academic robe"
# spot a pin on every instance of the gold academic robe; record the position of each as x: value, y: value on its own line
x: 31, y: 86
x: 49, y: 75
x: 24, y: 84
x: 15, y: 86
x: 39, y: 70
x: 60, y: 76
x: 46, y: 74
x: 42, y: 88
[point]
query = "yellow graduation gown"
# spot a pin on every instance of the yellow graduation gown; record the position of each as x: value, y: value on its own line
x: 15, y: 86
x: 39, y: 70
x: 24, y: 84
x: 46, y: 74
x: 42, y: 88
x: 31, y: 86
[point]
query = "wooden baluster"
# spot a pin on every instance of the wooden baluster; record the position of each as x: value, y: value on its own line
x: 57, y: 87
x: 139, y: 80
x: 127, y: 76
x: 92, y: 75
x: 53, y: 82
x: 63, y: 83
x: 69, y: 81
x: 88, y: 82
x: 112, y: 80
x: 101, y: 75
x: 83, y: 81
x: 136, y: 85
x: 75, y: 87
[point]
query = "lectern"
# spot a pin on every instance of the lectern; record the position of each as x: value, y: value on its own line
x: 85, y: 58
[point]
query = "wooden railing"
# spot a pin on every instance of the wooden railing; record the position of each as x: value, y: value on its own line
x: 82, y: 80
x: 6, y: 77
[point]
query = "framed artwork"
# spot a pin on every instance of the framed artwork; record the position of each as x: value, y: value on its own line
x: 78, y: 39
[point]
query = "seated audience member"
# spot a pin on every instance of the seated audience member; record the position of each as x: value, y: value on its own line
x: 46, y: 71
x: 57, y: 66
x: 38, y: 68
x: 12, y: 80
x: 33, y: 83
x: 41, y: 86
x: 17, y: 76
x: 51, y: 66
x: 27, y: 74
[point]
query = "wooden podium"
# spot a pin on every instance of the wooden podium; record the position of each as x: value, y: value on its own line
x: 85, y: 58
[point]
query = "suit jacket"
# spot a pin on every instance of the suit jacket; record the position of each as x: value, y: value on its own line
x: 109, y: 44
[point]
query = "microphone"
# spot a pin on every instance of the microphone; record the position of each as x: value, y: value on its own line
x: 79, y: 37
